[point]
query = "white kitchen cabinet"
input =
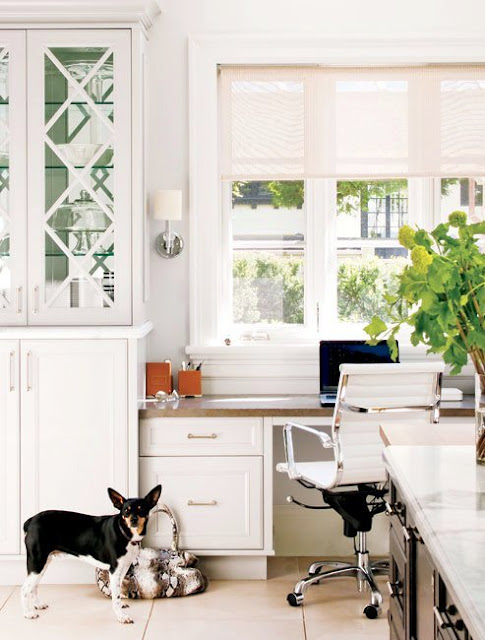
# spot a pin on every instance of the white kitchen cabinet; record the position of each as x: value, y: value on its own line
x: 211, y: 470
x: 216, y: 500
x: 9, y: 446
x: 72, y: 194
x: 13, y: 178
x: 74, y: 424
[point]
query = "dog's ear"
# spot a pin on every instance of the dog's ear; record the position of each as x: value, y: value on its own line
x: 153, y: 496
x: 116, y: 498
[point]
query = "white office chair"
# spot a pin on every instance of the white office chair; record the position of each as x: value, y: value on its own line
x: 353, y: 481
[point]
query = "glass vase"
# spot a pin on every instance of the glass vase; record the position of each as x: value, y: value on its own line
x: 480, y: 417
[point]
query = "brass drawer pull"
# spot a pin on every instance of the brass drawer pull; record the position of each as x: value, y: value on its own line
x: 192, y: 436
x: 194, y: 503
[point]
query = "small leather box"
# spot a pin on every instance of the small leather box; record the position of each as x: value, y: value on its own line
x: 190, y: 383
x: 159, y: 377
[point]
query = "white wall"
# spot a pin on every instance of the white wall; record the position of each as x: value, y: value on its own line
x: 168, y: 126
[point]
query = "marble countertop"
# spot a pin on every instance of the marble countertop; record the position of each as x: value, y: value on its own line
x: 444, y: 489
x: 265, y: 405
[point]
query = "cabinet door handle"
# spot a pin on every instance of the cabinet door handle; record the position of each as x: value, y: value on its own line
x: 12, y: 371
x: 29, y: 360
x: 394, y: 588
x: 195, y: 503
x: 439, y: 619
x: 211, y: 436
x: 35, y: 308
x: 418, y: 536
x: 19, y: 300
x: 394, y: 508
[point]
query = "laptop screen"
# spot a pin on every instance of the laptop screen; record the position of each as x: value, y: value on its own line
x: 335, y: 352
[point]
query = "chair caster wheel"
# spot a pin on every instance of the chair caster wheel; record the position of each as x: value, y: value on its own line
x: 294, y: 599
x: 371, y: 611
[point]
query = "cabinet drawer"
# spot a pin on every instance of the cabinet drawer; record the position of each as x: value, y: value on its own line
x: 201, y: 436
x: 217, y: 501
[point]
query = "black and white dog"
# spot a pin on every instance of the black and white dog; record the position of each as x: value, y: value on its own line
x: 108, y: 542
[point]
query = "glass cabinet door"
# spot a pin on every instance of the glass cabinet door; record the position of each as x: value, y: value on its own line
x: 79, y: 177
x: 12, y: 178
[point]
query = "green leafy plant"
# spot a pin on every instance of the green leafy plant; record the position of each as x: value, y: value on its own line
x: 444, y: 289
x: 361, y: 285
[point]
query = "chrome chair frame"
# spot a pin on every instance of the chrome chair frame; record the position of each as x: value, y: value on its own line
x: 363, y: 569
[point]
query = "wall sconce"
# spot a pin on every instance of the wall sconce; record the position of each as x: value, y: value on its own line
x: 167, y: 205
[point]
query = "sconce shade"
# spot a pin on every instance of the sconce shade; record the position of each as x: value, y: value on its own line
x: 167, y: 205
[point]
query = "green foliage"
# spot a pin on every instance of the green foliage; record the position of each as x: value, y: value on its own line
x: 446, y: 294
x: 287, y: 194
x: 267, y: 288
x: 361, y: 287
x: 355, y: 194
x: 290, y: 194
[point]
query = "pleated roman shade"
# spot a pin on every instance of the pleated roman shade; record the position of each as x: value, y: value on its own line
x: 289, y: 123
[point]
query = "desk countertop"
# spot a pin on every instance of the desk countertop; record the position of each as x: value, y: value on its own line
x: 407, y: 433
x: 266, y: 405
x: 444, y: 489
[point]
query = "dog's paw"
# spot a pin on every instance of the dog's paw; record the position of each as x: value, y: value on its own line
x: 125, y: 619
x: 31, y: 615
x: 40, y: 606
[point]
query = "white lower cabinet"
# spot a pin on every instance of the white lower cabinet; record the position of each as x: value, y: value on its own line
x: 9, y: 446
x: 74, y: 424
x: 213, y: 486
x: 217, y: 501
x: 63, y: 428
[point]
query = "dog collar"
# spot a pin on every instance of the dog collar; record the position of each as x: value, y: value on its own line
x: 123, y: 531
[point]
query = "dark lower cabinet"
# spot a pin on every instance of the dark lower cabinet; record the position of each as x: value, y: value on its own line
x: 420, y: 606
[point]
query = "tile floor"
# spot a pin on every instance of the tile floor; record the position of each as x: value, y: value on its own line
x: 236, y: 610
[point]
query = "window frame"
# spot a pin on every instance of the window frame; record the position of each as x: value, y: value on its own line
x: 209, y: 233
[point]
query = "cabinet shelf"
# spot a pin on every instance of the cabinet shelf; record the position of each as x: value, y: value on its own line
x: 76, y: 166
x: 59, y: 254
x: 77, y: 102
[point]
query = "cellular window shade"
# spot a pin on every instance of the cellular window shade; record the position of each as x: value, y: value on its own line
x: 290, y: 123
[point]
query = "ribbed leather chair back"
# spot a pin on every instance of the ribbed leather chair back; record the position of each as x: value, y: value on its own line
x: 372, y: 394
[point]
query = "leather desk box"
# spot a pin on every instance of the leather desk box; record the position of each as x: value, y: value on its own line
x: 159, y: 377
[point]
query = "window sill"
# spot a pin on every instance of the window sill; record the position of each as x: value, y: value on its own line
x: 283, y: 368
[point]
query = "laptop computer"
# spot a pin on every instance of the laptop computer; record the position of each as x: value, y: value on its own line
x: 335, y: 352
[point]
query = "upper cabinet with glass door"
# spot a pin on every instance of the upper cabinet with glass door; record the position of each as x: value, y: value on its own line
x: 12, y: 178
x: 79, y: 185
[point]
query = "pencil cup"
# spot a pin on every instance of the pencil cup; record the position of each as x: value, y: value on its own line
x: 190, y: 383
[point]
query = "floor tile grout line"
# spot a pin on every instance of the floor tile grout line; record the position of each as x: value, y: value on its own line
x: 148, y: 620
x: 14, y: 587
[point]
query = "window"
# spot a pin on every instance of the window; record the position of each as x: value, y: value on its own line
x: 369, y: 216
x: 322, y: 126
x: 268, y: 253
x: 324, y: 166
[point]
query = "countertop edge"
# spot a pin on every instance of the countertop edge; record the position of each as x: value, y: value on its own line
x: 454, y: 583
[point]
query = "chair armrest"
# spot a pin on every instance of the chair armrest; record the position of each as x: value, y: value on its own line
x: 325, y: 440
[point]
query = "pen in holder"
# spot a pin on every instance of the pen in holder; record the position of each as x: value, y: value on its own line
x: 190, y: 383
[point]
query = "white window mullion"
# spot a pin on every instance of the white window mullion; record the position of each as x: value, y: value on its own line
x: 326, y: 264
x: 421, y: 201
x: 225, y: 300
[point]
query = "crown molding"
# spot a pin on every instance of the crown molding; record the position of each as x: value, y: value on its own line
x: 44, y: 12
